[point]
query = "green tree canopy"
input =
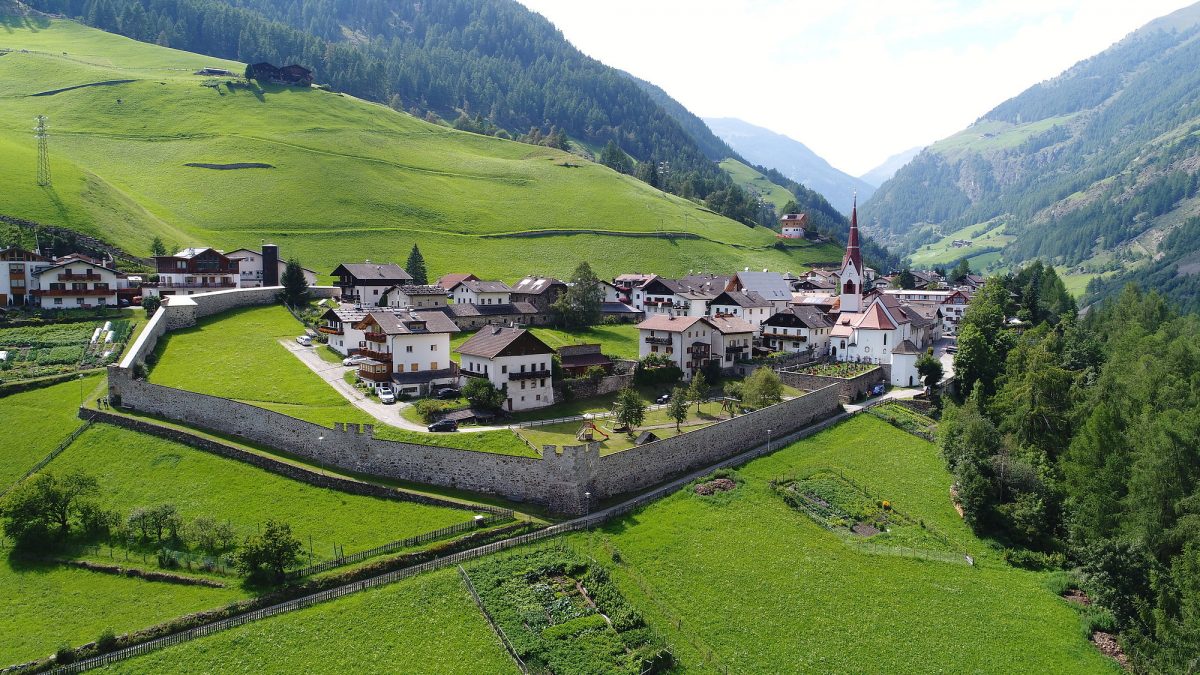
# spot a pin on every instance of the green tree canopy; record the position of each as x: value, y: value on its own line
x: 416, y: 267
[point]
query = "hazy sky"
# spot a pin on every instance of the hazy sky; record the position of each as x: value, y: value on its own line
x: 855, y: 80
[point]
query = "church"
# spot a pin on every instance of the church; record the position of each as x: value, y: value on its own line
x: 873, y: 327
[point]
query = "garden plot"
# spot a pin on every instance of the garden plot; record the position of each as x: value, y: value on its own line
x: 36, y: 351
x: 563, y: 614
x: 842, y: 369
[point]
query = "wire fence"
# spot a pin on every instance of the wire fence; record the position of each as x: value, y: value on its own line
x: 495, y: 626
x: 401, y: 544
x: 66, y: 442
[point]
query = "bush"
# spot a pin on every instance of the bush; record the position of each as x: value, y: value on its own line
x: 1034, y: 560
x: 430, y: 409
x: 107, y: 640
x: 64, y: 654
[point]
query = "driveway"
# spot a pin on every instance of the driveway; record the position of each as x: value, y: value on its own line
x: 947, y: 359
x: 332, y: 373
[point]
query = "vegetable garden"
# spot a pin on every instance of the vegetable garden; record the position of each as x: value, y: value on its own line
x: 37, y: 351
x: 843, y: 369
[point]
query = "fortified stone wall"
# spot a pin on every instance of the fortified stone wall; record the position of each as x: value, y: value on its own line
x: 851, y: 389
x: 584, y: 388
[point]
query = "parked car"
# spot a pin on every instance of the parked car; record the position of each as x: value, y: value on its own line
x: 353, y: 360
x: 663, y: 399
x: 952, y: 349
x: 304, y: 340
x: 386, y: 395
x: 444, y: 425
x: 448, y: 393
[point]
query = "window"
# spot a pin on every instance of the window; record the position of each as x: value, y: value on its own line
x: 653, y: 348
x: 58, y: 301
x: 79, y: 301
x: 503, y: 369
x: 433, y: 365
x: 522, y: 384
x: 885, y: 338
x: 433, y: 348
x: 413, y: 367
x: 408, y: 348
x: 542, y: 382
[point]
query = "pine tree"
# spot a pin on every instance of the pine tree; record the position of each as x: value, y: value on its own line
x: 416, y: 267
x: 295, y: 287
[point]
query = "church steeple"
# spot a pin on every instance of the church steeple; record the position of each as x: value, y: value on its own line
x: 852, y: 274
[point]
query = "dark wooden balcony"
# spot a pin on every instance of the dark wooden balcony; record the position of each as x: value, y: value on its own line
x: 329, y: 330
x: 380, y: 338
x: 68, y: 276
x: 658, y: 340
x: 70, y: 292
x: 385, y: 357
x: 530, y: 375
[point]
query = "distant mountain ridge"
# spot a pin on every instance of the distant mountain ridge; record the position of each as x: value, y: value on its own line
x: 791, y: 158
x: 884, y: 172
x: 1093, y: 170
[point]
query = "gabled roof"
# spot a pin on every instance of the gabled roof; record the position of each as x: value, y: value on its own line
x: 746, y: 300
x: 671, y: 324
x: 536, y: 285
x: 68, y: 261
x: 410, y: 323
x: 770, y: 285
x: 671, y: 286
x: 807, y: 316
x: 875, y: 318
x: 710, y: 285
x: 468, y: 309
x: 906, y: 347
x: 478, y: 286
x: 413, y: 290
x: 493, y: 341
x: 449, y: 281
x: 369, y: 272
x: 729, y: 325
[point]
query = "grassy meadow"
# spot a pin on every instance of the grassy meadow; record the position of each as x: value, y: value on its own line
x: 618, y: 341
x: 427, y: 624
x: 350, y: 179
x: 741, y: 581
x: 943, y: 252
x: 749, y: 177
x: 38, y: 420
x: 138, y: 470
x: 237, y: 355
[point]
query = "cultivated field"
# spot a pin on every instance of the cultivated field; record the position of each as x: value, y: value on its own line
x: 427, y: 624
x: 349, y: 179
x: 37, y: 420
x: 743, y: 581
x: 38, y: 351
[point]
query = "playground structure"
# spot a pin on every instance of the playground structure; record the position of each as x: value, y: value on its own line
x: 588, y: 431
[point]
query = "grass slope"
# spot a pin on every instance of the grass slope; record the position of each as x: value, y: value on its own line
x: 749, y: 177
x: 428, y: 624
x: 43, y: 418
x: 742, y: 581
x: 138, y: 470
x: 943, y: 252
x: 237, y: 355
x: 619, y: 341
x: 43, y: 606
x: 351, y: 180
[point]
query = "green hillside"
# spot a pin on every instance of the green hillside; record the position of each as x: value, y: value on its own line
x: 749, y: 178
x: 1094, y: 171
x: 350, y: 179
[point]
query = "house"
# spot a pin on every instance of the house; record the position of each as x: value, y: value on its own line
x: 194, y: 270
x: 407, y: 350
x: 448, y: 281
x: 685, y: 340
x: 364, y: 283
x: 953, y: 307
x: 338, y: 328
x: 627, y: 285
x: 791, y: 225
x: 687, y: 296
x: 799, y: 328
x: 477, y: 292
x: 612, y: 293
x: 770, y: 286
x: 749, y: 307
x: 515, y: 361
x: 732, y: 340
x: 264, y: 268
x: 470, y: 317
x: 576, y: 360
x: 17, y: 268
x: 415, y: 297
x: 541, y: 292
x: 75, y: 282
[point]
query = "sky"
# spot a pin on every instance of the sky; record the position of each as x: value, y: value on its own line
x: 855, y: 80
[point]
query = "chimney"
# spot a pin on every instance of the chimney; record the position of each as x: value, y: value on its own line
x: 270, y: 265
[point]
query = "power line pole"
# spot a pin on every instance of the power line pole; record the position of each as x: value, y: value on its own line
x: 43, y: 169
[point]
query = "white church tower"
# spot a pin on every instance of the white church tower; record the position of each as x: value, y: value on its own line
x: 852, y: 275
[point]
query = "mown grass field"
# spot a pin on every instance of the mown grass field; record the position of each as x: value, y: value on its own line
x: 36, y: 421
x: 564, y: 433
x: 618, y: 341
x: 351, y: 180
x: 237, y: 355
x: 138, y: 470
x: 45, y: 605
x: 943, y: 252
x: 749, y: 177
x: 428, y: 624
x: 740, y: 580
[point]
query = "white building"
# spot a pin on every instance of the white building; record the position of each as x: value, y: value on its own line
x: 416, y: 297
x: 364, y: 283
x: 17, y: 281
x: 953, y: 308
x: 731, y: 340
x: 407, y: 350
x: 194, y: 270
x: 514, y: 361
x: 749, y: 307
x: 477, y: 292
x: 75, y: 283
x: 254, y: 267
x: 791, y: 225
x: 685, y: 340
x: 800, y: 328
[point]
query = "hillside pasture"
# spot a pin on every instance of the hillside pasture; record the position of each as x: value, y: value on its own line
x: 38, y: 420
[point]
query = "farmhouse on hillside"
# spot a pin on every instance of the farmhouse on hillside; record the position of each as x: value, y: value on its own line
x: 515, y: 361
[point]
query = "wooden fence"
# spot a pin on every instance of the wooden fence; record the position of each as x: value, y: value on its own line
x: 495, y: 626
x: 66, y: 442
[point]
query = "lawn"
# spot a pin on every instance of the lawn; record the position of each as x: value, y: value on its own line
x: 564, y: 433
x: 742, y: 581
x: 48, y: 605
x: 427, y: 624
x: 37, y: 420
x: 237, y: 355
x: 138, y: 470
x: 119, y: 157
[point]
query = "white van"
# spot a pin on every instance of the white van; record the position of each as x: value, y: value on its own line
x: 304, y: 340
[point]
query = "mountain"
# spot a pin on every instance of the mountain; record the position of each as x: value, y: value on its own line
x: 1092, y: 171
x: 712, y: 146
x: 141, y: 147
x: 882, y: 173
x: 791, y: 158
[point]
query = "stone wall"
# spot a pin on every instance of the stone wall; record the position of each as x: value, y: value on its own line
x: 851, y: 389
x: 584, y: 388
x: 557, y: 480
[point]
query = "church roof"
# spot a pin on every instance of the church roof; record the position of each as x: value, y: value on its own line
x: 853, y: 250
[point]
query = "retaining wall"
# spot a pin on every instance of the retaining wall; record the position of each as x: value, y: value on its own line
x: 851, y: 389
x: 584, y: 388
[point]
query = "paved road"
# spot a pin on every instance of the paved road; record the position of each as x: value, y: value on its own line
x: 893, y: 394
x: 332, y: 373
x: 947, y: 359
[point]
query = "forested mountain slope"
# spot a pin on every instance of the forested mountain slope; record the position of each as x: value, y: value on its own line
x: 1091, y: 170
x: 344, y: 179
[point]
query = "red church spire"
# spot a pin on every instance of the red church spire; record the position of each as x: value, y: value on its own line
x: 853, y: 252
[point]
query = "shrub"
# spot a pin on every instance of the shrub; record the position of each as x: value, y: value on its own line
x: 430, y: 409
x: 107, y: 640
x: 64, y: 654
